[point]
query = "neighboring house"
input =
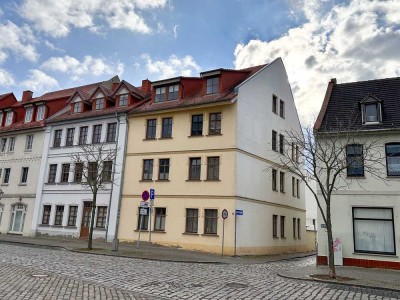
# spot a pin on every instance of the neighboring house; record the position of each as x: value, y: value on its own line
x: 365, y: 213
x: 211, y: 143
x: 94, y: 114
x: 21, y: 144
x: 311, y: 216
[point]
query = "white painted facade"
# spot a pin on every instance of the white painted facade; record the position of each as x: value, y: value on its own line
x: 311, y: 207
x: 74, y: 194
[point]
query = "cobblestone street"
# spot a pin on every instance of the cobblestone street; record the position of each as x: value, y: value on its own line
x: 85, y: 276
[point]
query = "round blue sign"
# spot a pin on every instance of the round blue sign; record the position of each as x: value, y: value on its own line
x: 224, y: 214
x: 145, y: 195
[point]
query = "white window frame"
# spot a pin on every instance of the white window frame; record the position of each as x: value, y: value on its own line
x: 11, y: 144
x: 125, y: 98
x: 29, y: 142
x: 77, y: 107
x: 3, y: 145
x: 9, y: 118
x: 40, y: 112
x: 99, y: 104
x: 28, y: 114
x: 1, y: 119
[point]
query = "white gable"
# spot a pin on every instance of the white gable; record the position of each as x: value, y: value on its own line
x: 123, y: 91
x: 99, y: 95
x: 77, y: 99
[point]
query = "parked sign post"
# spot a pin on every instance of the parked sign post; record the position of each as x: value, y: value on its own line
x: 152, y: 196
x: 224, y: 215
x: 142, y: 212
x: 238, y: 212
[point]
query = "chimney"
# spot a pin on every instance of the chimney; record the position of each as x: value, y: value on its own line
x: 114, y: 86
x: 26, y: 95
x: 333, y: 80
x: 146, y: 86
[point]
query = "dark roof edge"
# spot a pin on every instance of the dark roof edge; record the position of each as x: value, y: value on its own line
x: 324, y: 106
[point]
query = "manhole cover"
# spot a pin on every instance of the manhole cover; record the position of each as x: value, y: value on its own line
x: 236, y: 285
x: 40, y: 275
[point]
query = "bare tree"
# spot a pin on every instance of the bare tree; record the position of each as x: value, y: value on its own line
x: 335, y: 159
x: 93, y: 166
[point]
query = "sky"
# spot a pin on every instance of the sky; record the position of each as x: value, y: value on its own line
x: 47, y: 45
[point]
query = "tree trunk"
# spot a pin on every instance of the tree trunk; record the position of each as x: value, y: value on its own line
x: 331, y: 257
x: 90, y: 240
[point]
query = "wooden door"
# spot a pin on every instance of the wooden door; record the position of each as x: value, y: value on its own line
x: 85, y: 225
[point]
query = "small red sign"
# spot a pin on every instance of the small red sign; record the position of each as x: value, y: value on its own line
x: 145, y: 195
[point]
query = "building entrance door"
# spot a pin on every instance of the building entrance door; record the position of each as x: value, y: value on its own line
x: 85, y: 225
x: 18, y: 212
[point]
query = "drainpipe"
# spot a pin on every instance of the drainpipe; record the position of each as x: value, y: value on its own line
x: 112, y: 180
x: 116, y: 240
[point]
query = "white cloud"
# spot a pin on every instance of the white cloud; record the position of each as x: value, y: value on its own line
x: 173, y: 66
x: 38, y: 81
x: 357, y: 41
x: 176, y: 31
x: 52, y: 47
x: 6, y: 78
x: 17, y: 39
x: 57, y: 18
x: 76, y: 68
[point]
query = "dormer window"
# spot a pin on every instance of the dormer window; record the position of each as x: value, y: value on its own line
x: 371, y: 110
x: 173, y: 92
x: 123, y: 100
x: 160, y: 94
x: 9, y: 118
x: 99, y: 104
x: 1, y: 119
x: 40, y: 113
x: 28, y: 114
x: 78, y: 107
x: 212, y: 85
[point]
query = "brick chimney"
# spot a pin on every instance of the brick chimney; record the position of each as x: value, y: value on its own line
x: 146, y: 86
x: 333, y: 80
x: 114, y: 86
x: 26, y: 95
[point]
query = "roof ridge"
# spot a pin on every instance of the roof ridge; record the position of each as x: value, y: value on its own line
x: 369, y: 80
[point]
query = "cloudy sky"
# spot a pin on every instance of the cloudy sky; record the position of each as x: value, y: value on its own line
x: 47, y: 45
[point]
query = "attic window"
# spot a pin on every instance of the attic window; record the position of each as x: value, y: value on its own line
x: 77, y: 107
x: 123, y: 100
x: 371, y: 110
x: 28, y: 114
x: 9, y: 118
x: 1, y: 119
x: 99, y: 103
x: 173, y: 91
x: 160, y: 94
x: 212, y: 85
x: 40, y: 113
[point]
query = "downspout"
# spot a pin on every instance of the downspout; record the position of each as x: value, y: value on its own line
x: 112, y: 180
x: 116, y: 240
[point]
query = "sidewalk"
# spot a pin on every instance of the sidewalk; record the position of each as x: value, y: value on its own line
x: 155, y: 252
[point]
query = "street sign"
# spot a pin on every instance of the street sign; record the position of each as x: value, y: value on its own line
x: 144, y: 204
x: 152, y: 194
x: 145, y: 195
x: 224, y: 214
x: 323, y: 225
x: 239, y: 212
x: 143, y: 211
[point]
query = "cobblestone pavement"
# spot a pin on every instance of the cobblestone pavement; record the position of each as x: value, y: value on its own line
x: 85, y: 276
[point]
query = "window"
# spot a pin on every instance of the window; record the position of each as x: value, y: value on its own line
x: 298, y: 229
x: 111, y: 132
x: 294, y: 228
x: 70, y: 137
x: 282, y: 226
x: 1, y: 212
x: 297, y: 154
x: 73, y: 214
x: 9, y: 118
x: 282, y: 182
x: 40, y: 113
x: 274, y: 140
x: 159, y: 221
x: 371, y: 113
x: 282, y: 109
x: 281, y: 143
x: 294, y: 187
x: 274, y: 181
x: 147, y: 169
x: 355, y: 160
x: 6, y: 177
x: 83, y: 133
x: 212, y: 85
x: 11, y: 144
x: 77, y: 107
x: 59, y: 215
x: 166, y: 128
x: 46, y: 214
x: 274, y: 104
x: 192, y: 218
x: 160, y: 94
x: 92, y: 171
x: 373, y: 230
x: 3, y: 144
x: 215, y: 124
x: 123, y: 100
x: 1, y: 119
x: 28, y: 114
x: 52, y: 173
x: 213, y: 168
x: 24, y: 174
x: 298, y: 187
x: 65, y: 172
x: 143, y: 220
x: 57, y: 138
x: 275, y: 226
x: 29, y: 142
x: 210, y: 221
x: 293, y: 152
x: 393, y: 159
x: 163, y: 173
x: 197, y: 125
x: 151, y: 129
x: 78, y: 172
x: 173, y: 92
x: 96, y: 138
x: 107, y: 171
x: 99, y: 104
x: 101, y: 216
x: 194, y: 168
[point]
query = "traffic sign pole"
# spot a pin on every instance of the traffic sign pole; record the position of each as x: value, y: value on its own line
x: 140, y: 229
x: 234, y: 252
x: 224, y: 216
x: 152, y: 196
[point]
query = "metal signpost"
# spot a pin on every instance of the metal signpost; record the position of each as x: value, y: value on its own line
x: 224, y: 215
x: 152, y: 196
x: 142, y: 212
x: 238, y: 212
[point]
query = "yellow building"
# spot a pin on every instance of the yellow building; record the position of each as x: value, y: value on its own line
x: 204, y: 144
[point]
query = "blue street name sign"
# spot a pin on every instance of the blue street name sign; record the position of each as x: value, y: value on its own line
x: 152, y: 194
x: 239, y: 212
